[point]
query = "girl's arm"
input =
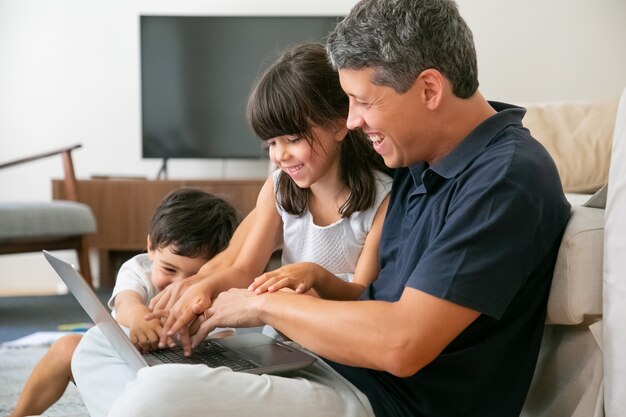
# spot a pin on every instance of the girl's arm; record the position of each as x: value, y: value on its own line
x: 263, y: 238
x: 304, y: 276
x: 166, y: 298
x: 368, y: 266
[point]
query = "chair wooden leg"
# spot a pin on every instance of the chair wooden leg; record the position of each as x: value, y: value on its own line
x: 83, y: 261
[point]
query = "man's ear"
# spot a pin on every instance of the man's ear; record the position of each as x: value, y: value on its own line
x: 433, y: 84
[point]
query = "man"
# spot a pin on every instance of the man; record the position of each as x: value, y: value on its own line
x: 453, y: 324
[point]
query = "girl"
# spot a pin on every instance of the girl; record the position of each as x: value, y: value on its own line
x: 324, y: 205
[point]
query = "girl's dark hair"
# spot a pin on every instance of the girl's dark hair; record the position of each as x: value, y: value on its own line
x: 298, y: 91
x: 193, y: 222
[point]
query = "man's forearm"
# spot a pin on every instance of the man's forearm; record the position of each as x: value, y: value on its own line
x: 328, y: 327
x: 398, y: 337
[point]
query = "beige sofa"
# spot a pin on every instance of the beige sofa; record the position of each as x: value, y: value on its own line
x: 569, y: 375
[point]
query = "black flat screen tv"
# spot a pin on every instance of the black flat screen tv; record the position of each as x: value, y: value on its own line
x: 197, y: 73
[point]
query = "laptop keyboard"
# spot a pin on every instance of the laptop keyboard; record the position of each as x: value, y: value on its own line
x: 209, y: 353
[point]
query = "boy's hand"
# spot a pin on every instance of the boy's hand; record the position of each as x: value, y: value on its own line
x: 131, y: 312
x: 300, y: 277
x: 145, y: 333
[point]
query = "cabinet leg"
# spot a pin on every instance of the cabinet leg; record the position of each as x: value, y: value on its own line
x: 107, y: 280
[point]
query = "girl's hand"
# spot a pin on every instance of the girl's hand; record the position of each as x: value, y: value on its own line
x: 181, y: 317
x: 300, y: 277
x: 172, y: 293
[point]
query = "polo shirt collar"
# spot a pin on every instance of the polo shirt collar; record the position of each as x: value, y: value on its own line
x: 470, y: 147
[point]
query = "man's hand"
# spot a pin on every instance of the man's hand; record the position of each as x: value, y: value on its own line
x: 233, y: 308
x: 300, y: 277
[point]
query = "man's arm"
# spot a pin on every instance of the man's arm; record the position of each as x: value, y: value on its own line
x: 400, y: 337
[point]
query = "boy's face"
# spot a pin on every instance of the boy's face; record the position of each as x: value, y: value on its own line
x: 169, y: 268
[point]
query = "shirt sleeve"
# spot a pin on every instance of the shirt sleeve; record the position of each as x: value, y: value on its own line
x: 132, y: 276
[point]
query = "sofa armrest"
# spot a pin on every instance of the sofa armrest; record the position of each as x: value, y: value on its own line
x: 576, y: 293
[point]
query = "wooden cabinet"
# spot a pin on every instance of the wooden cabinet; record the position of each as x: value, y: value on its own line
x: 123, y: 209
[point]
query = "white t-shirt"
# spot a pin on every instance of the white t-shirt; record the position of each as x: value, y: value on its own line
x: 335, y: 247
x: 134, y: 275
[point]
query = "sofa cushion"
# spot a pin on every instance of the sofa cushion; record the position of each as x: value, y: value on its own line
x: 578, y: 136
x: 46, y: 219
x: 576, y: 292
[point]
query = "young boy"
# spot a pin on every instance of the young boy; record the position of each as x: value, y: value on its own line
x: 188, y: 228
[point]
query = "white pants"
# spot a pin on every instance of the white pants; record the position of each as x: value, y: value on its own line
x: 109, y: 387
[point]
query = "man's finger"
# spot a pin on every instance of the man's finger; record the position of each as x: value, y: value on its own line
x: 185, y: 340
x: 201, y: 334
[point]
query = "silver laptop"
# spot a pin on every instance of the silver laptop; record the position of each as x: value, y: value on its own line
x: 251, y: 352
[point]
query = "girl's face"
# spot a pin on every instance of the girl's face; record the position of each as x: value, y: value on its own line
x: 306, y: 163
x: 168, y: 267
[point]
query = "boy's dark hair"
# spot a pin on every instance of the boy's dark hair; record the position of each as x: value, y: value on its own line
x: 302, y: 89
x: 194, y: 222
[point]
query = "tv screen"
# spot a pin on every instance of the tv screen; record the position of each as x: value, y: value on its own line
x: 197, y: 73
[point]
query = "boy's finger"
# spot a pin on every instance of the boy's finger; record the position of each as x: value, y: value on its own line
x: 153, y: 340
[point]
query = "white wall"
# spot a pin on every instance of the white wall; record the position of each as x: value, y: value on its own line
x: 69, y: 72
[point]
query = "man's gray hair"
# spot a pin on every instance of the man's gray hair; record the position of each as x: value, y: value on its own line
x: 401, y: 38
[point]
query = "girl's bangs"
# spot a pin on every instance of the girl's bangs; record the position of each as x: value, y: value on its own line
x: 277, y: 111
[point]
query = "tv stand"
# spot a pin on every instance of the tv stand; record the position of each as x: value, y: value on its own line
x: 123, y: 208
x: 162, y: 174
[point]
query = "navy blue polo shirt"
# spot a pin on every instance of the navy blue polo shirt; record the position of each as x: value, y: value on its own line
x: 480, y: 228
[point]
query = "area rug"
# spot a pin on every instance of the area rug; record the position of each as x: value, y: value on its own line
x: 16, y: 364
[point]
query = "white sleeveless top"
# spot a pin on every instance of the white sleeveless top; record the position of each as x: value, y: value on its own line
x: 335, y: 247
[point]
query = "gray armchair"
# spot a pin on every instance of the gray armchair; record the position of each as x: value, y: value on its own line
x: 50, y: 225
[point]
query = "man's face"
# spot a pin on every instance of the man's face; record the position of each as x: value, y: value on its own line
x: 395, y: 123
